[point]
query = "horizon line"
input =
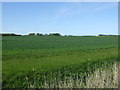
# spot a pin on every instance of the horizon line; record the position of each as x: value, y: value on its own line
x: 58, y: 33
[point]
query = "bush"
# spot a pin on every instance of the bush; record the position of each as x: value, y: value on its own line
x: 9, y: 34
x: 54, y: 34
x: 31, y: 34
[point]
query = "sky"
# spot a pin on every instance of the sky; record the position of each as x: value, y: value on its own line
x: 66, y: 18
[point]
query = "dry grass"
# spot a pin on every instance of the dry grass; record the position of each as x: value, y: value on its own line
x: 104, y: 77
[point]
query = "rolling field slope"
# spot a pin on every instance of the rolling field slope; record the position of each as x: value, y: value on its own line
x: 50, y: 61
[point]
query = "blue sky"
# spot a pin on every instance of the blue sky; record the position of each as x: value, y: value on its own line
x: 67, y: 18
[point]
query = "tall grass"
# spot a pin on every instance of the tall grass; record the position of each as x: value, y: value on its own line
x: 104, y: 77
x: 102, y: 74
x: 97, y: 75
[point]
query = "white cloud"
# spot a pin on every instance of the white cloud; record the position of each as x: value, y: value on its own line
x: 104, y: 7
x: 72, y: 9
x: 68, y: 9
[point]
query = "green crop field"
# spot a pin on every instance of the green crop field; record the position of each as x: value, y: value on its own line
x: 59, y: 61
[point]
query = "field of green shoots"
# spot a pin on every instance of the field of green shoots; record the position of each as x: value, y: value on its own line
x: 59, y: 62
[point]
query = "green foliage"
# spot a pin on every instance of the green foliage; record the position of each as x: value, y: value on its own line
x: 54, y: 34
x: 33, y: 61
x: 9, y: 34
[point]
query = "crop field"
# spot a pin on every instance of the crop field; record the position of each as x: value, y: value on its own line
x: 59, y: 62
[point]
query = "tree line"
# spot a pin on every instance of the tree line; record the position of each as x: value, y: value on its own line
x: 51, y: 34
x: 106, y: 35
x: 31, y: 34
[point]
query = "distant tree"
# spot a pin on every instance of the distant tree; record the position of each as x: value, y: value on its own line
x: 41, y: 34
x: 46, y: 34
x: 101, y: 35
x: 54, y: 34
x: 9, y: 34
x: 37, y: 34
x: 106, y: 35
x: 112, y: 35
x: 31, y: 34
x: 70, y: 35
